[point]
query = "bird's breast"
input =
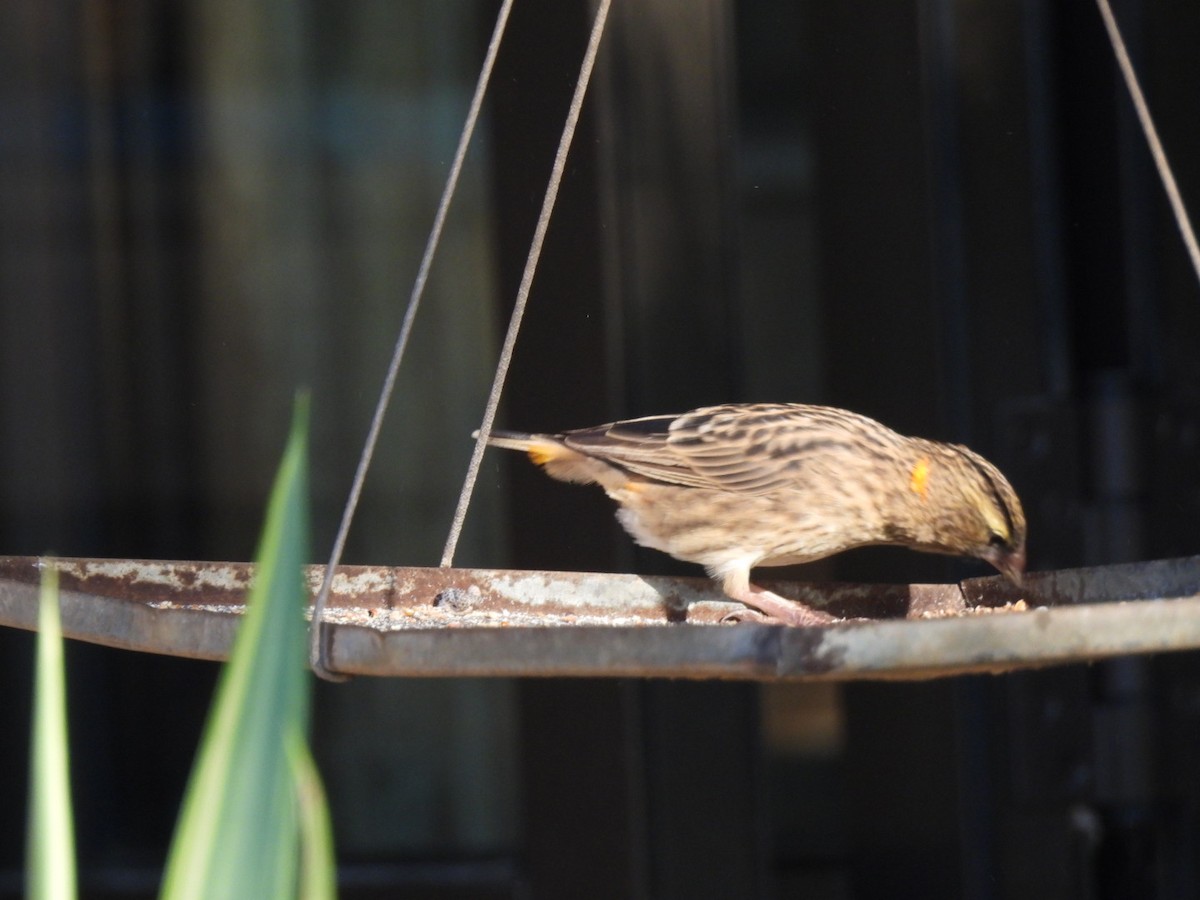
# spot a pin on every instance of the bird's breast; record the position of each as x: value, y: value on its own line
x: 775, y: 528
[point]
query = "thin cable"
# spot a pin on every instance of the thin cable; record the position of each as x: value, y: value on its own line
x: 1156, y: 147
x: 535, y: 252
x: 318, y: 648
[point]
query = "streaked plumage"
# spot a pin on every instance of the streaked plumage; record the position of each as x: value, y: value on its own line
x: 743, y: 485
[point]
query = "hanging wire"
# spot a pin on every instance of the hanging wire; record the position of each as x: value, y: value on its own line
x: 1156, y: 148
x: 318, y: 649
x: 535, y: 252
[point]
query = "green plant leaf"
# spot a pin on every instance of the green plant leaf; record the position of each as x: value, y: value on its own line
x: 239, y: 829
x: 50, y: 853
x: 318, y: 870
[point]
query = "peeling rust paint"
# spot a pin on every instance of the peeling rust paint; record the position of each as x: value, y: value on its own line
x: 426, y: 621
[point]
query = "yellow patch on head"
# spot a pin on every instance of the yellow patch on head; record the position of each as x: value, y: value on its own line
x: 994, y: 518
x: 918, y: 481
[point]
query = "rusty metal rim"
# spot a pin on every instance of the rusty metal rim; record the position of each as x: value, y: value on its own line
x: 454, y: 622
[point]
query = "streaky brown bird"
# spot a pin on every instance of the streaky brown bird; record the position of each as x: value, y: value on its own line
x: 737, y: 486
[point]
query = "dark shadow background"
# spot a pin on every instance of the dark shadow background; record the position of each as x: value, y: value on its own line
x: 938, y: 213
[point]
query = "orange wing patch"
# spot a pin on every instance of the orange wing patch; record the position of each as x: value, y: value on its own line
x: 919, y: 478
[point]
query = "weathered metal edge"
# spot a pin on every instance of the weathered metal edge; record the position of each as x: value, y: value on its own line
x: 902, y: 649
x: 853, y: 650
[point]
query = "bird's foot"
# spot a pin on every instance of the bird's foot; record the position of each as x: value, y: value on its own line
x: 746, y: 614
x: 771, y: 609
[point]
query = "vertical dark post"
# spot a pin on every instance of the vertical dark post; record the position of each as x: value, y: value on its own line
x: 579, y: 740
x: 631, y: 789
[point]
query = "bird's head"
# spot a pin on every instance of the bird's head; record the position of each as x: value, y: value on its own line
x: 973, y: 510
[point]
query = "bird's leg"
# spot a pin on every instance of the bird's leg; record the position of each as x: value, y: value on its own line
x: 768, y: 607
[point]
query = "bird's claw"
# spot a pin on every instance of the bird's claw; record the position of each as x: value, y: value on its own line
x: 774, y: 610
x: 746, y: 614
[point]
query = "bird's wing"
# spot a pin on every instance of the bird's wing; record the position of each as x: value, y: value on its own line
x: 751, y: 448
x: 640, y: 446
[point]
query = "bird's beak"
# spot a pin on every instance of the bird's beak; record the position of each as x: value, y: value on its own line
x: 1011, y: 565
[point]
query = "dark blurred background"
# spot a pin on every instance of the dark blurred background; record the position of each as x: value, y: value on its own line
x: 938, y: 213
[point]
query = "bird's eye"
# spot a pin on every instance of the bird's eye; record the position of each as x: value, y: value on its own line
x: 997, y: 540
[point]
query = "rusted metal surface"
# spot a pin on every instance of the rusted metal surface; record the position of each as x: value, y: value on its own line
x: 419, y: 621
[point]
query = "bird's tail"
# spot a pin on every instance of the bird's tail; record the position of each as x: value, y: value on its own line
x: 509, y: 440
x: 542, y: 448
x: 557, y: 459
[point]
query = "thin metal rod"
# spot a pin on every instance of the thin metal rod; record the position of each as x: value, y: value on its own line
x: 535, y: 252
x: 318, y: 648
x: 1156, y: 148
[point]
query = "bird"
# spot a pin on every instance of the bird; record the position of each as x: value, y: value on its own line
x: 737, y: 486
